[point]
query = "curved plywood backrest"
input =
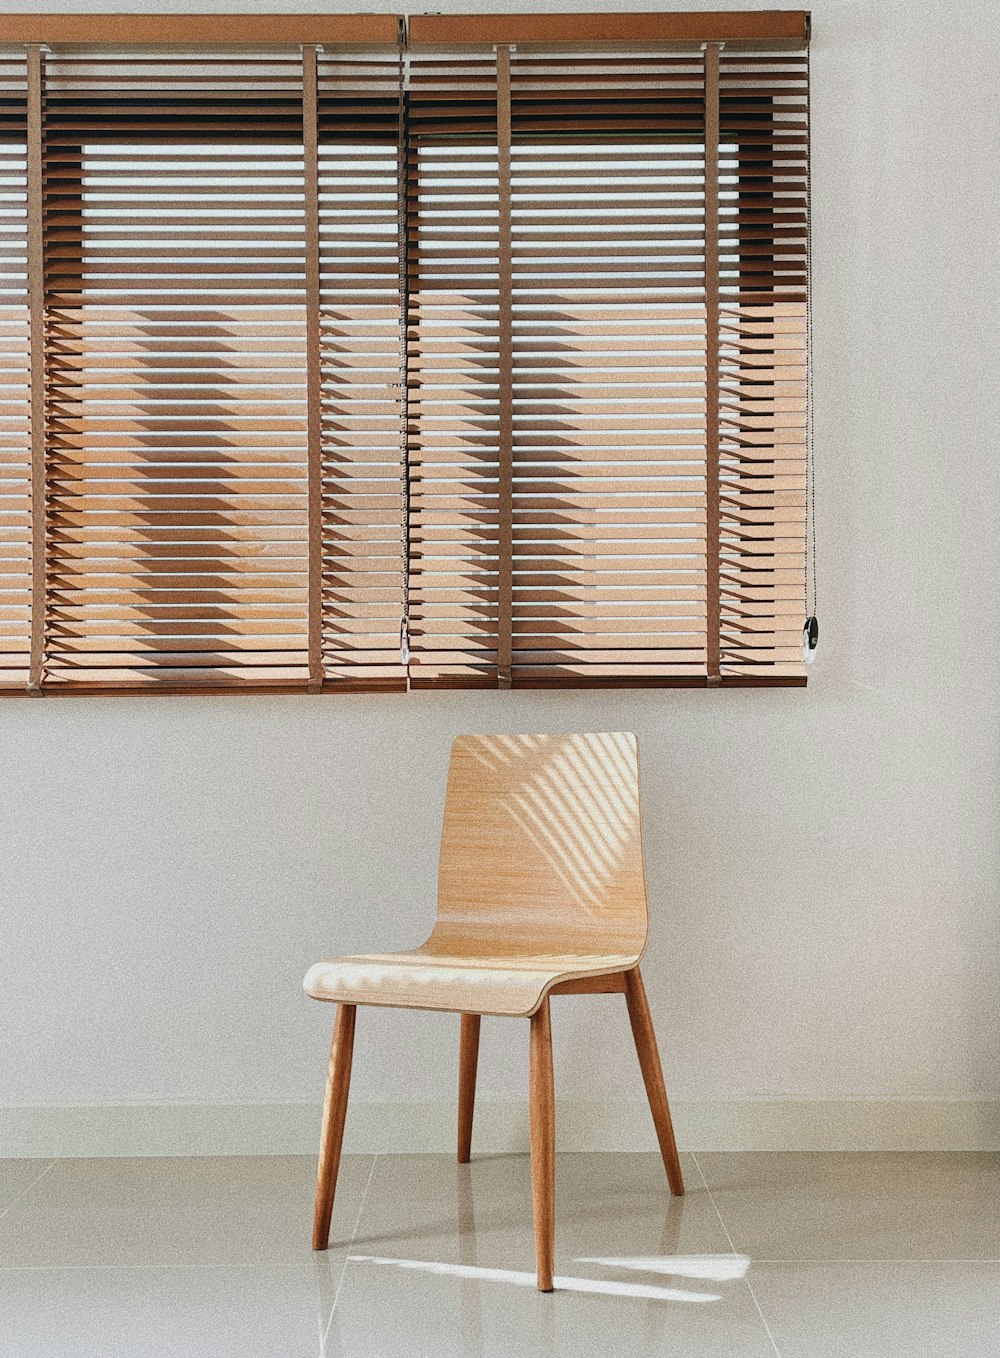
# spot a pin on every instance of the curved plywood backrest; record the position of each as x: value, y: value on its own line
x: 541, y: 847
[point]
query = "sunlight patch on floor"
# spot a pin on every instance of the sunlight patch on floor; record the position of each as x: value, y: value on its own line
x: 597, y: 1286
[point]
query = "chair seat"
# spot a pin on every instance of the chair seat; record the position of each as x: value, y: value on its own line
x: 509, y: 985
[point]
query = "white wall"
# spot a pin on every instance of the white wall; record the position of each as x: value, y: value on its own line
x: 823, y: 864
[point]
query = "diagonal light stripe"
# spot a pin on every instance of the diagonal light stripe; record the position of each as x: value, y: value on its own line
x: 594, y: 1286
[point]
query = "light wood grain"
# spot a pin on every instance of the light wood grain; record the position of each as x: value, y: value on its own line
x: 338, y: 1084
x: 468, y: 1061
x: 540, y: 880
x: 652, y: 1074
x: 543, y: 1143
x: 772, y: 28
x: 121, y: 30
x: 541, y: 891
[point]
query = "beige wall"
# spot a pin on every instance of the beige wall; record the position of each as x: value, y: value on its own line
x: 823, y: 864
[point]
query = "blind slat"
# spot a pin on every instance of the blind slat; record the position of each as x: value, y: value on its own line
x: 314, y: 375
x: 712, y: 279
x: 35, y: 135
x: 505, y: 375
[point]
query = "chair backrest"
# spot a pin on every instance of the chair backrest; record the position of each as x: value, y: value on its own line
x: 541, y: 848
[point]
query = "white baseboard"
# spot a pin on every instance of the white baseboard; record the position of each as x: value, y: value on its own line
x: 501, y: 1126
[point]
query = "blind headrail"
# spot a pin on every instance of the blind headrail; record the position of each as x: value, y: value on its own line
x: 127, y: 30
x: 771, y: 28
x: 787, y: 29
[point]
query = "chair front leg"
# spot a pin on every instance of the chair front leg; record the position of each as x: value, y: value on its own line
x: 338, y: 1083
x: 468, y: 1060
x: 652, y: 1074
x: 543, y: 1144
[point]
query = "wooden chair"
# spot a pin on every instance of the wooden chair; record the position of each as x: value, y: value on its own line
x: 541, y: 892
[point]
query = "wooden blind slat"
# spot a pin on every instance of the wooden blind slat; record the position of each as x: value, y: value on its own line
x: 36, y: 340
x: 712, y: 360
x: 505, y: 380
x: 314, y: 375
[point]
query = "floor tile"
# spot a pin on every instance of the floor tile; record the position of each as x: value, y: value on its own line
x: 177, y: 1210
x: 430, y: 1207
x: 443, y: 1264
x: 864, y: 1205
x: 873, y: 1310
x: 160, y: 1313
x: 17, y: 1178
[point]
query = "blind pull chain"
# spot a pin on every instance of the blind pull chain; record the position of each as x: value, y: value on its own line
x: 810, y: 629
x: 403, y: 390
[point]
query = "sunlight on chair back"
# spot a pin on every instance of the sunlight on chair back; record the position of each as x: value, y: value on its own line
x: 541, y: 846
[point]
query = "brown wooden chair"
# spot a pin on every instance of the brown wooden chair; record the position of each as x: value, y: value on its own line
x: 541, y: 892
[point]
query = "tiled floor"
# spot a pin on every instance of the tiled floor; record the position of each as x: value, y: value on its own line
x: 801, y: 1255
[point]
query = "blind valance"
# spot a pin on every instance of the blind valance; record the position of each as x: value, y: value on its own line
x: 361, y: 364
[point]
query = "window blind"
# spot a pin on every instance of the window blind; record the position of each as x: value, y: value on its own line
x: 334, y: 366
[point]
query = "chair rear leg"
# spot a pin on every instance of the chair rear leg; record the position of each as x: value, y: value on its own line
x: 338, y: 1083
x: 543, y: 1144
x: 468, y: 1061
x: 652, y: 1074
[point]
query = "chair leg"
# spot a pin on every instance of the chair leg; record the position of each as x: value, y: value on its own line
x: 543, y: 1144
x: 652, y: 1074
x: 338, y: 1084
x: 468, y: 1060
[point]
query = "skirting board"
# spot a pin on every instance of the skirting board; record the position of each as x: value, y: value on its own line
x: 501, y: 1126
